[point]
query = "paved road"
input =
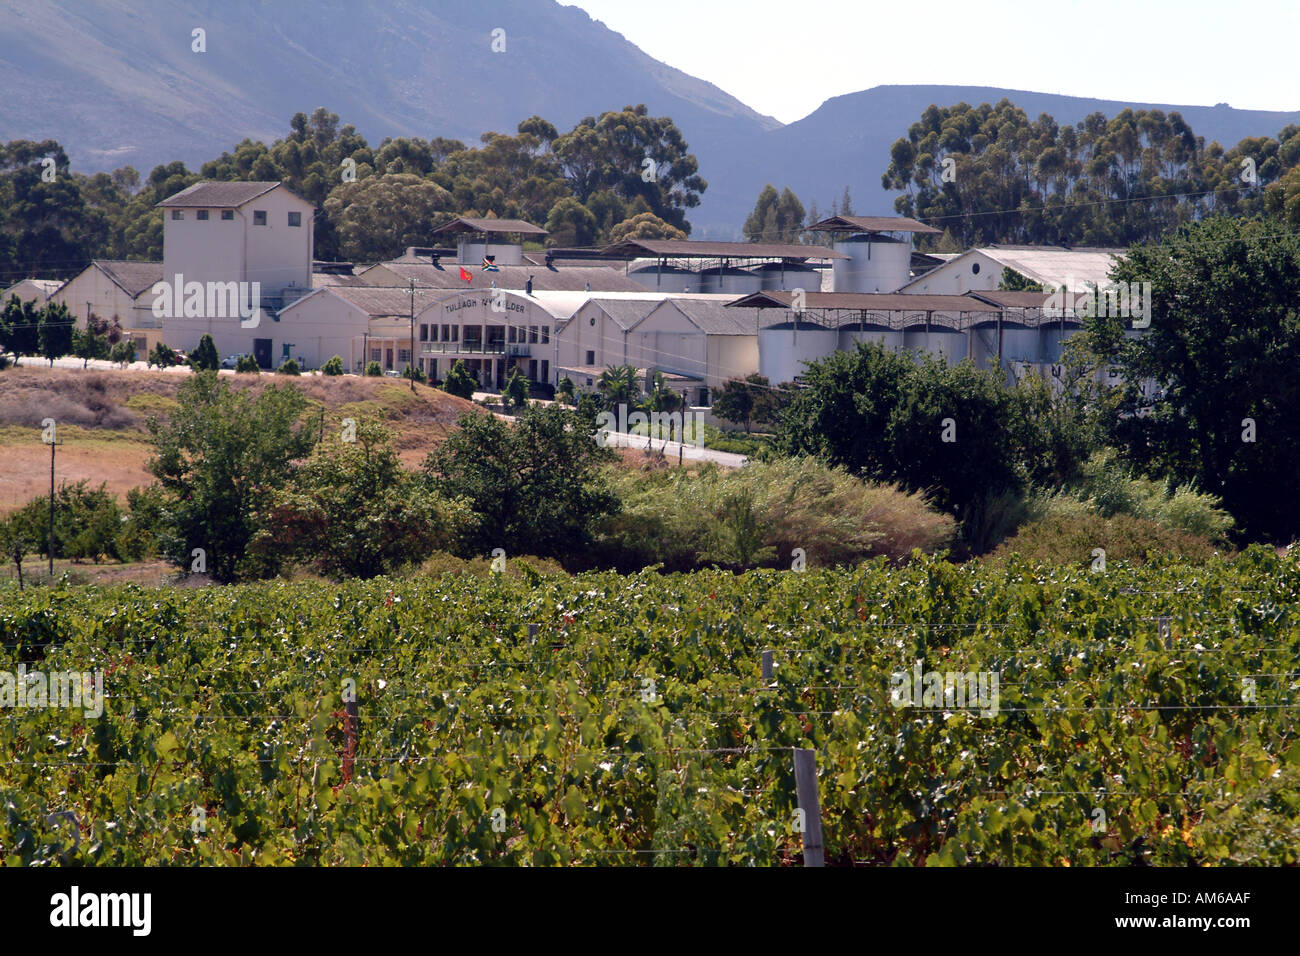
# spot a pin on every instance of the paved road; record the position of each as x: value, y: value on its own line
x: 688, y: 451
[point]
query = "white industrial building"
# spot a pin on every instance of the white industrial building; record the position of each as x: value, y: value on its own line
x: 702, y: 312
x: 490, y: 330
x: 31, y: 290
x: 695, y: 338
x: 120, y: 291
x: 257, y: 235
x: 980, y: 270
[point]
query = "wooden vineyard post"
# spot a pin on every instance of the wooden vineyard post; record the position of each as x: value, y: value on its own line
x: 352, y: 729
x: 805, y: 781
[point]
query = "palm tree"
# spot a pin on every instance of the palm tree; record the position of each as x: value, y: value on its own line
x: 618, y: 386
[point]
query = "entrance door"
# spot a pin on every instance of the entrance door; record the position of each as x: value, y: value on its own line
x: 388, y: 359
x: 262, y: 352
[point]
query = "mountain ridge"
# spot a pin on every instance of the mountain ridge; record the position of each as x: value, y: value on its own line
x: 117, y: 86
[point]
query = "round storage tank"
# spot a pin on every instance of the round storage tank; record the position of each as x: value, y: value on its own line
x: 1019, y: 344
x: 783, y: 349
x: 1051, y: 340
x: 729, y: 279
x: 788, y: 276
x: 941, y: 342
x: 875, y: 264
x: 666, y: 278
x: 853, y: 333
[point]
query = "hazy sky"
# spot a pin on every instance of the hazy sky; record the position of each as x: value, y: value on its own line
x: 784, y: 59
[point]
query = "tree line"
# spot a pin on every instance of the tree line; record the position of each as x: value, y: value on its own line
x: 623, y: 173
x: 989, y: 174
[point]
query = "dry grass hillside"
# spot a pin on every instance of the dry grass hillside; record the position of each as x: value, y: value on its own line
x: 102, y: 417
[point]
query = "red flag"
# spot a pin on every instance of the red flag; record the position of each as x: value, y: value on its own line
x: 465, y: 276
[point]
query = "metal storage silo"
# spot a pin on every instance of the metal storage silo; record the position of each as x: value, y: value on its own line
x: 666, y: 278
x: 1052, y: 340
x: 876, y: 263
x: 729, y: 279
x: 787, y: 276
x: 1019, y: 344
x: 939, y: 340
x: 855, y: 332
x: 784, y: 348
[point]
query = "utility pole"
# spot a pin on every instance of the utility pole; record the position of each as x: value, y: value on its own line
x: 49, y: 436
x: 410, y: 365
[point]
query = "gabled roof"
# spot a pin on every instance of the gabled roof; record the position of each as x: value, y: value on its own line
x: 377, y: 303
x: 214, y: 194
x: 1029, y: 300
x: 704, y: 249
x: 627, y: 312
x: 712, y: 316
x: 464, y: 224
x: 320, y: 280
x: 1049, y: 265
x: 871, y: 224
x: 131, y: 277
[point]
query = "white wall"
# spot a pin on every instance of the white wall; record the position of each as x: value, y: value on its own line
x: 604, y: 337
x: 319, y: 327
x: 106, y: 297
x: 215, y: 250
x: 955, y: 277
x: 730, y: 356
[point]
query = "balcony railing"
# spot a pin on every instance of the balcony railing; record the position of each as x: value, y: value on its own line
x: 473, y: 348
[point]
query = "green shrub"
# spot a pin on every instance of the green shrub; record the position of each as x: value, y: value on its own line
x: 87, y: 522
x: 143, y: 522
x: 1063, y: 539
x: 459, y: 382
x: 441, y: 563
x: 123, y: 353
x: 289, y: 367
x: 333, y: 367
x: 415, y: 372
x: 1112, y: 489
x: 246, y: 363
x: 374, y: 370
x: 163, y: 356
x: 204, y: 358
x: 683, y: 520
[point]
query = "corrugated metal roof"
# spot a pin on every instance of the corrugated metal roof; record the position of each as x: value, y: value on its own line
x: 704, y: 249
x: 866, y: 301
x: 131, y: 277
x: 465, y: 224
x: 872, y: 224
x: 715, y: 317
x: 213, y: 194
x: 447, y: 276
x: 45, y: 287
x: 320, y: 280
x: 375, y: 302
x: 626, y: 313
x: 1057, y: 266
x: 1026, y: 300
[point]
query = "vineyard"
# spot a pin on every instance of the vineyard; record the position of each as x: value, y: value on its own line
x: 1144, y: 715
